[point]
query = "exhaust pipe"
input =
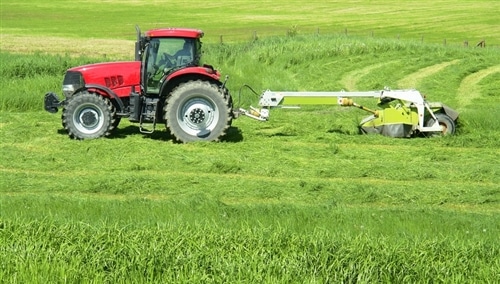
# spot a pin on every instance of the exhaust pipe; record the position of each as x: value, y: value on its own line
x: 138, y: 44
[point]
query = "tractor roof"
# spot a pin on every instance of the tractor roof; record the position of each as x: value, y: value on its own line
x: 175, y: 32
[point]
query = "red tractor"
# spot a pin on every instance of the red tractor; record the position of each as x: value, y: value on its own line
x: 165, y: 84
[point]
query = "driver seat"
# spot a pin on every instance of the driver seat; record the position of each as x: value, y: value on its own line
x: 183, y: 60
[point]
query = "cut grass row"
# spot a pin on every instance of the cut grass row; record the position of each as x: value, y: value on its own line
x: 283, y: 161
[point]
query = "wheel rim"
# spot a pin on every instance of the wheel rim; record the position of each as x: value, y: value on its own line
x: 88, y: 118
x: 198, y: 116
x: 444, y: 127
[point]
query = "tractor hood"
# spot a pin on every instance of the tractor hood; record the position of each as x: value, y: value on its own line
x: 117, y: 76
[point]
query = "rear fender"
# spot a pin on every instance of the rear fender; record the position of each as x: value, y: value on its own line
x: 205, y: 71
x: 179, y: 77
x: 453, y: 114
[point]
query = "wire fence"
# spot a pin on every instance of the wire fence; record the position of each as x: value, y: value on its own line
x: 253, y: 35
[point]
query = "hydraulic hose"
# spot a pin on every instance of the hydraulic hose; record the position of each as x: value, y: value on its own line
x: 239, y: 94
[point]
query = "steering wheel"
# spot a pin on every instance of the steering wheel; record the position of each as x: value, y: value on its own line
x: 167, y: 60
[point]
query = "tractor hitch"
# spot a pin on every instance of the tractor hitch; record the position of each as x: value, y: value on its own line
x: 260, y: 115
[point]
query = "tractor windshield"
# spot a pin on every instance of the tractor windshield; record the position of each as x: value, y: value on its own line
x: 167, y: 54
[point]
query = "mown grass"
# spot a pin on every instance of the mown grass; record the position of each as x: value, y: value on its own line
x: 301, y: 198
x: 432, y: 21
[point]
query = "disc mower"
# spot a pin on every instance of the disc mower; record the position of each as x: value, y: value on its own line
x: 400, y: 113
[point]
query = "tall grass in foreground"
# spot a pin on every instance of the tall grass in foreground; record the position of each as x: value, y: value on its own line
x: 198, y: 239
x: 42, y: 251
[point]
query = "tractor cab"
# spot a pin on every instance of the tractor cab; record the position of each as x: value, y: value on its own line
x: 164, y: 51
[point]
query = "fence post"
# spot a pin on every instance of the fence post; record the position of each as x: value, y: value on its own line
x: 466, y: 43
x: 345, y: 31
x: 221, y: 42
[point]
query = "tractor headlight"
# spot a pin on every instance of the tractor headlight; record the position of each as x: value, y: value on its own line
x: 68, y: 90
x: 72, y: 82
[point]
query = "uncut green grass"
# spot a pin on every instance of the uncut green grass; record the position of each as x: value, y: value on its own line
x: 44, y: 251
x: 293, y: 63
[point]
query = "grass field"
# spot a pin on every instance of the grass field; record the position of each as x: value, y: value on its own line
x: 300, y: 198
x: 60, y: 26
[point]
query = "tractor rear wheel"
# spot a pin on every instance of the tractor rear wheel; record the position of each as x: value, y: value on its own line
x: 198, y: 111
x: 88, y: 116
x: 447, y: 124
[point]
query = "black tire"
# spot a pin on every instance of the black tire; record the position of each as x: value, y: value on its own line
x: 116, y: 123
x: 447, y: 124
x: 229, y: 101
x: 88, y: 116
x: 62, y: 118
x: 197, y: 111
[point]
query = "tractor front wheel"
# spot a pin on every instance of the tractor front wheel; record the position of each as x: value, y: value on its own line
x: 447, y: 124
x: 88, y: 116
x: 197, y: 111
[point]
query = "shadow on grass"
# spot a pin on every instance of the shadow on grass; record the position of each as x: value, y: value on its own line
x: 343, y: 131
x: 233, y: 134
